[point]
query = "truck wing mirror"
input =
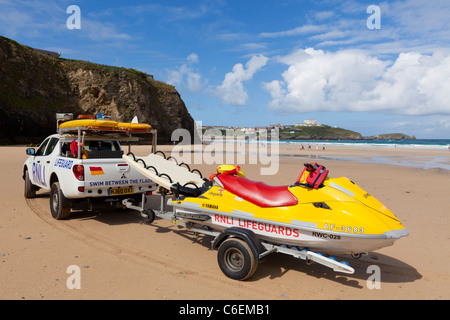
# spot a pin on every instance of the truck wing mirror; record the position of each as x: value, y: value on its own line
x: 31, y: 151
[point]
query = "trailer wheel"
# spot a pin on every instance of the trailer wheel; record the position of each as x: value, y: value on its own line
x: 150, y: 215
x: 236, y: 259
x: 58, y: 207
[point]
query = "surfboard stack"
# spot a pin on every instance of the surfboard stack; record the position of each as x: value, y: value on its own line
x: 92, y: 123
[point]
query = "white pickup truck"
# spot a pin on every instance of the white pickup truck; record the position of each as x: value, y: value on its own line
x: 77, y: 183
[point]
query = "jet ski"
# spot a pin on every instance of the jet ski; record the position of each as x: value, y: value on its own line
x: 309, y: 219
x: 336, y: 216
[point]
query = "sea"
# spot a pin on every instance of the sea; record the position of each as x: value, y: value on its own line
x: 430, y: 161
x: 420, y: 162
x: 438, y: 144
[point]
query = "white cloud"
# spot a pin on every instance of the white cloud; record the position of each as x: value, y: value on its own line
x: 351, y: 80
x: 324, y: 15
x: 192, y: 58
x: 232, y: 90
x: 187, y: 75
x: 38, y: 20
x: 413, y: 25
x: 421, y: 18
x: 102, y: 31
x: 194, y: 82
x: 305, y: 29
x: 30, y: 18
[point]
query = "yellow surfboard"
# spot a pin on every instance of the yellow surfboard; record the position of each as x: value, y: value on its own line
x: 134, y: 127
x: 99, y: 124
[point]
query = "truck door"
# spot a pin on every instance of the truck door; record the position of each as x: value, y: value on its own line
x: 40, y: 172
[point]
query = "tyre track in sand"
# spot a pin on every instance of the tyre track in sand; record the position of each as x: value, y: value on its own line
x: 156, y: 262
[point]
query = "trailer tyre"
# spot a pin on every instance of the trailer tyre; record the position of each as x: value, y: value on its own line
x: 58, y: 203
x: 236, y: 259
x: 150, y: 215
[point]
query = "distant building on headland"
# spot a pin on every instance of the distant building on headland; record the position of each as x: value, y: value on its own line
x: 308, y: 123
x: 276, y: 126
x: 252, y: 130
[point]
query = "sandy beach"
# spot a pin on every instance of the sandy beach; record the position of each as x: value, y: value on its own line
x: 121, y: 257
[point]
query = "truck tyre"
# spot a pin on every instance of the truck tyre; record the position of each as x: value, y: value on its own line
x: 58, y: 203
x: 236, y: 259
x: 30, y: 189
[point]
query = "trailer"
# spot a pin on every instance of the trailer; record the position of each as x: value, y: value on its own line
x: 240, y: 249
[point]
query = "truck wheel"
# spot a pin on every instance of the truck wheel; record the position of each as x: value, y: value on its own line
x: 58, y: 207
x: 30, y: 189
x: 236, y: 259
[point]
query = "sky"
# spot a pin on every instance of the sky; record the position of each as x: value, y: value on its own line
x: 368, y: 66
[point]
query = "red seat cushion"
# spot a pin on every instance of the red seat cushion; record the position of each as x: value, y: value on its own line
x: 258, y: 193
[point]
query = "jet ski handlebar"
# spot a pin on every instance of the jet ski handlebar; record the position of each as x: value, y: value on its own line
x: 311, y: 166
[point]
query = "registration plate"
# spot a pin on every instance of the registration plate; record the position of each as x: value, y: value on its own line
x: 120, y: 191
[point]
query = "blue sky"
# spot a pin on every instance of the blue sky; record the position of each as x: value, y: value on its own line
x: 255, y: 63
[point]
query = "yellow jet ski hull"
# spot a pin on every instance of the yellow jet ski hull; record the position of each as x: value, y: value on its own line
x: 339, y: 217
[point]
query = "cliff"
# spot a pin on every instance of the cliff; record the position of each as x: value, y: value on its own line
x: 35, y: 86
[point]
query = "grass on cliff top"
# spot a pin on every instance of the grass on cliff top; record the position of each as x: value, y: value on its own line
x: 318, y: 131
x: 102, y: 68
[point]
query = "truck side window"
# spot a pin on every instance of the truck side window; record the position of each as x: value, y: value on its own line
x: 51, y: 146
x: 101, y: 146
x: 42, y: 147
x: 65, y: 150
x: 116, y: 146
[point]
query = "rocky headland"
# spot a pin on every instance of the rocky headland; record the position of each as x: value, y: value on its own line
x: 35, y: 86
